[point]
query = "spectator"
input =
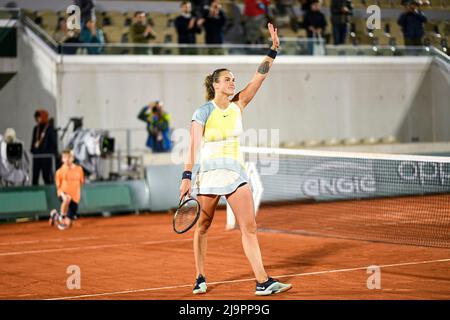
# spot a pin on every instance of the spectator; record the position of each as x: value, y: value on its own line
x: 157, y: 126
x: 61, y: 32
x: 91, y: 34
x: 72, y: 41
x: 234, y: 31
x: 256, y: 12
x: 340, y: 11
x: 187, y: 28
x: 141, y: 32
x: 314, y: 22
x: 285, y: 14
x: 44, y: 146
x: 198, y: 6
x: 87, y: 8
x: 305, y: 5
x: 64, y: 36
x: 213, y: 21
x: 412, y: 21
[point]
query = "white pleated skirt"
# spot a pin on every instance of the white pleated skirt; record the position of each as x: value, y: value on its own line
x: 218, y: 182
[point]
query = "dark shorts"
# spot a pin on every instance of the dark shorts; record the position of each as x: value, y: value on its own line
x: 72, y: 211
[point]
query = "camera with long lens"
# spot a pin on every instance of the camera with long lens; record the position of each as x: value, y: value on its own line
x: 14, y: 152
x: 14, y: 161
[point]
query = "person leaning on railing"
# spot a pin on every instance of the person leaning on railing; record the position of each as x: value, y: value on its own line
x: 187, y: 27
x: 314, y: 22
x: 340, y: 12
x: 412, y: 22
x: 87, y: 8
x: 141, y: 31
x: 213, y: 21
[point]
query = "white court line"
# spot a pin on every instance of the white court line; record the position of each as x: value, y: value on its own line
x: 15, y: 253
x: 46, y: 240
x: 248, y: 279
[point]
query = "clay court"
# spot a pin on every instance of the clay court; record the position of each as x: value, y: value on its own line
x: 140, y: 257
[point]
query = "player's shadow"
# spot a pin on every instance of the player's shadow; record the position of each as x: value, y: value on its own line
x: 298, y: 263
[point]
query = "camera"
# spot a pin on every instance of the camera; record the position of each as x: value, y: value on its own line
x: 14, y: 151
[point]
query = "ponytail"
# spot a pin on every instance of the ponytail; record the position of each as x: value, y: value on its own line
x: 209, y: 87
x: 209, y: 81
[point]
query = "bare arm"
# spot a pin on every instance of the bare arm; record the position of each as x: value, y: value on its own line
x: 194, y: 143
x: 243, y: 98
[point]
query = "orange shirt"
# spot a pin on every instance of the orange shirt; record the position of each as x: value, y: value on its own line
x: 69, y: 181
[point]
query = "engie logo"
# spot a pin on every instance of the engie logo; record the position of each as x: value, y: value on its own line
x: 336, y: 178
x: 425, y: 173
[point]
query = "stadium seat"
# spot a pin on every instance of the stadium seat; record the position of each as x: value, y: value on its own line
x: 396, y: 31
x: 370, y: 140
x: 351, y: 141
x: 389, y: 140
x: 444, y: 27
x: 358, y: 4
x: 312, y: 143
x: 332, y: 142
x: 117, y: 18
x: 49, y: 20
x: 113, y: 34
x: 99, y: 18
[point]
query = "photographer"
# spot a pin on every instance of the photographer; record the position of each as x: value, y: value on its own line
x: 14, y: 161
x: 44, y: 147
x: 157, y: 126
x: 412, y: 22
x: 340, y: 11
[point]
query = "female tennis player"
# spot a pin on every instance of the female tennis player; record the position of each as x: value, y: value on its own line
x: 222, y: 172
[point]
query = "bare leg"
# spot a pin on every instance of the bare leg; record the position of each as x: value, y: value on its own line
x: 208, y: 204
x: 241, y: 201
x: 64, y: 207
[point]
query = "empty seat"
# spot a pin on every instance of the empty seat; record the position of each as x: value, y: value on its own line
x: 351, y: 141
x: 117, y: 18
x: 113, y: 34
x: 370, y: 140
x: 389, y: 139
x: 332, y: 142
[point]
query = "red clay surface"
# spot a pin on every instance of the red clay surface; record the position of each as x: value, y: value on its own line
x: 140, y: 257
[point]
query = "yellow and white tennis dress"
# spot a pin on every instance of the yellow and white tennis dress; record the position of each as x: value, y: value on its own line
x: 222, y: 168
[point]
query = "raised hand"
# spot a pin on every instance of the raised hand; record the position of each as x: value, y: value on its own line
x: 273, y: 36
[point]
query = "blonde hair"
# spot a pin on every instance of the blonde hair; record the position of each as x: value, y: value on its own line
x: 68, y: 152
x: 10, y: 135
x: 209, y: 81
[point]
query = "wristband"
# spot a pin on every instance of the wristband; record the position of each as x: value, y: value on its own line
x: 187, y: 175
x: 272, y: 53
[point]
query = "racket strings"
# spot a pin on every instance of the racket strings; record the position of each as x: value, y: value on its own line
x: 186, y: 215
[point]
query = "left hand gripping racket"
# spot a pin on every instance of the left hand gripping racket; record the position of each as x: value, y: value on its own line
x: 186, y: 215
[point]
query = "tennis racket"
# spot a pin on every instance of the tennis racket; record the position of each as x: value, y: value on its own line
x: 187, y: 215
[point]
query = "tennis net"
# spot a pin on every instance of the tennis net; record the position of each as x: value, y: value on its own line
x: 376, y: 197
